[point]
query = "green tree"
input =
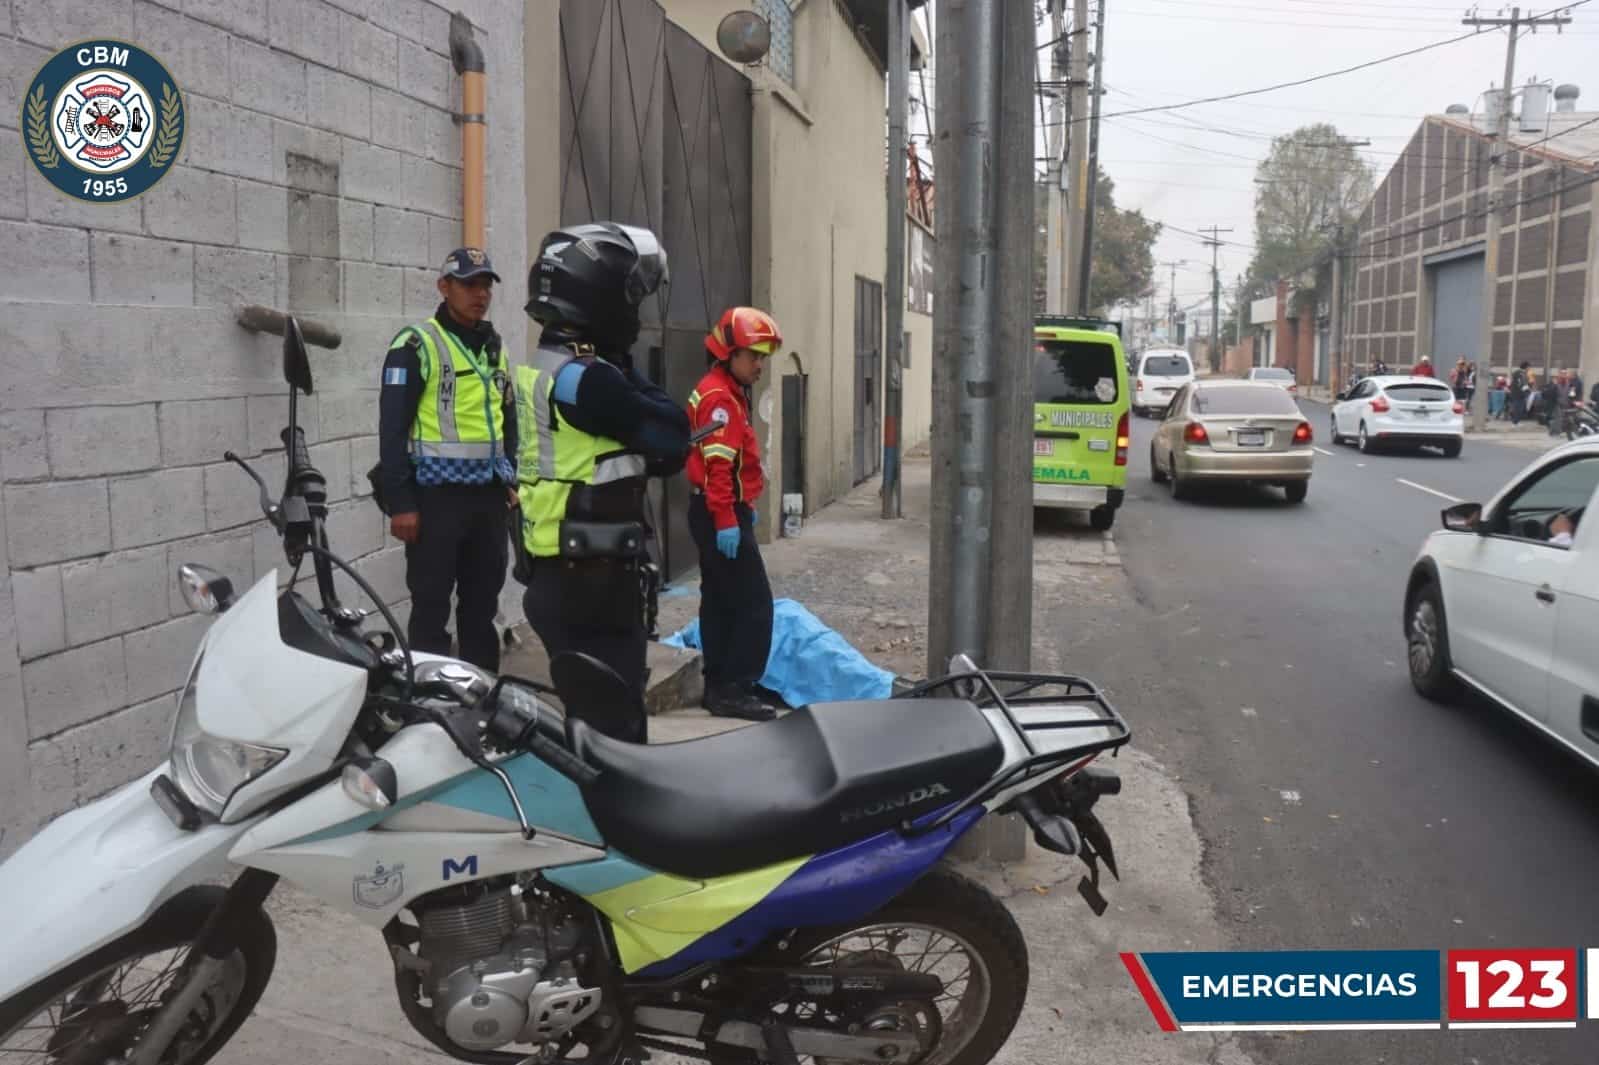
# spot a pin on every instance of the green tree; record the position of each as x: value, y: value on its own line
x: 1310, y: 182
x: 1124, y: 250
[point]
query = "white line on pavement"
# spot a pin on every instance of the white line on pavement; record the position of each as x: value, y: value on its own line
x: 1429, y: 491
x: 1322, y: 451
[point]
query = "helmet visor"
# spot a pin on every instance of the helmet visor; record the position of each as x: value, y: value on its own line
x: 651, y: 271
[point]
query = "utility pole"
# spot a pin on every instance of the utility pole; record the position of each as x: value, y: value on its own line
x: 1496, y: 190
x: 981, y: 559
x: 1171, y: 298
x: 1055, y: 279
x: 1077, y: 158
x: 1214, y: 243
x: 1238, y: 315
x: 1335, y: 357
x: 1087, y: 264
x: 899, y: 91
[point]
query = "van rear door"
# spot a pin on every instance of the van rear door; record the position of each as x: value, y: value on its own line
x: 1077, y: 397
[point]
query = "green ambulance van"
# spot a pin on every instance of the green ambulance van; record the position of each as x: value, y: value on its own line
x: 1081, y: 410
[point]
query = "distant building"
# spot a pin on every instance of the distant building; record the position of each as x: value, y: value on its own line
x: 1418, y: 264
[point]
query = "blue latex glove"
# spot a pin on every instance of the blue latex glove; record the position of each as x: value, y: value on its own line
x: 727, y: 541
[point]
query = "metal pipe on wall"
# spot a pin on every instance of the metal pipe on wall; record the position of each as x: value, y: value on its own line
x: 899, y: 86
x: 466, y: 55
x: 976, y: 318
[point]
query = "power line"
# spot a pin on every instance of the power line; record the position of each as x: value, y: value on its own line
x: 1315, y: 77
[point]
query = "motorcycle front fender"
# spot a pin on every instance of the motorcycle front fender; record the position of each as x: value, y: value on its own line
x: 95, y: 874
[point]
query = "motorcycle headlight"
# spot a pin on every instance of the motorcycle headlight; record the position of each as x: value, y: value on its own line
x: 208, y: 769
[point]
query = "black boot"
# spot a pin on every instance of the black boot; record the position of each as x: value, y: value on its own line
x: 729, y: 700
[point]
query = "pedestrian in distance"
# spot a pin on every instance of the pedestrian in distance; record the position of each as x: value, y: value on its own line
x: 1423, y: 368
x: 447, y: 435
x: 1470, y: 384
x: 1520, y: 391
x: 594, y: 431
x: 724, y: 471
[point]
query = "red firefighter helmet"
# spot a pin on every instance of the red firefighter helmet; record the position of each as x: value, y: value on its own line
x: 743, y: 327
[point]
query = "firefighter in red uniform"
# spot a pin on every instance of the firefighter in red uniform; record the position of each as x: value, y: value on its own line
x: 725, y: 472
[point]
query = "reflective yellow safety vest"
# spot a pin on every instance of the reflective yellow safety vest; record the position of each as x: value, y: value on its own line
x: 458, y: 434
x: 554, y: 456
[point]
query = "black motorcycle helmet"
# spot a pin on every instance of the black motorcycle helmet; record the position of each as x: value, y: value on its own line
x: 589, y: 281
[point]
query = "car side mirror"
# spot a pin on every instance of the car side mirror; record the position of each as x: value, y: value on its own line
x: 1465, y: 517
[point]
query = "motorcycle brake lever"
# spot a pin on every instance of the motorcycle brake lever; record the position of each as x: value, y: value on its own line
x: 466, y: 731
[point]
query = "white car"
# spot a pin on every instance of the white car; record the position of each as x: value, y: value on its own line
x: 1280, y: 376
x: 1505, y: 599
x: 1413, y: 412
x: 1158, y: 376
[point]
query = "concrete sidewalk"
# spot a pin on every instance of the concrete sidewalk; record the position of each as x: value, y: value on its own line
x: 333, y: 995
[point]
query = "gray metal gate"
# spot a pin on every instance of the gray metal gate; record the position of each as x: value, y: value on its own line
x: 655, y: 131
x: 868, y: 378
x: 1456, y: 311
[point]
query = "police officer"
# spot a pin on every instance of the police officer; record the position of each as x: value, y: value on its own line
x: 593, y: 431
x: 725, y: 472
x: 447, y: 440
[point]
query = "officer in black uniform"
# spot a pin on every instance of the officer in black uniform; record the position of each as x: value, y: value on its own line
x: 447, y: 438
x: 593, y: 430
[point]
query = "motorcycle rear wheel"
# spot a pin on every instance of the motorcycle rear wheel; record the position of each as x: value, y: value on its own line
x: 947, y: 925
x: 94, y: 1010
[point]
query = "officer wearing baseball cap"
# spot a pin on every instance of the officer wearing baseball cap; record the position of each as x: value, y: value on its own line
x: 447, y: 461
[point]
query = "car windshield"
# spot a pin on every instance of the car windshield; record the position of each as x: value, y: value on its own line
x: 1226, y: 400
x: 1272, y: 373
x: 1165, y: 366
x: 1419, y: 393
x: 1074, y: 371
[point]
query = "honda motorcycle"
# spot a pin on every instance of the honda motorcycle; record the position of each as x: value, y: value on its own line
x: 546, y: 893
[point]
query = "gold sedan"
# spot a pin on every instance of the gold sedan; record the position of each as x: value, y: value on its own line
x: 1231, y: 430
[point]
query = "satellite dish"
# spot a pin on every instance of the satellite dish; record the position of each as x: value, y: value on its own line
x: 744, y: 37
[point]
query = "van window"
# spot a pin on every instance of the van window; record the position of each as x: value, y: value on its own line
x: 1074, y: 371
x: 1166, y: 366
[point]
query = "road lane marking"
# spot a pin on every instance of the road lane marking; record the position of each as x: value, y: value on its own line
x: 1429, y: 491
x: 1321, y: 451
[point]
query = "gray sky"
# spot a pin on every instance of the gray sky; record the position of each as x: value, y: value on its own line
x: 1167, y: 51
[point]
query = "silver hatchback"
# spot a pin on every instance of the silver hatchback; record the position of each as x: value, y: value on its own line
x: 1231, y: 430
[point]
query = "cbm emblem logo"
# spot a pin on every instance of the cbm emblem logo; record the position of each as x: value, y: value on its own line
x: 380, y: 888
x: 465, y: 867
x: 103, y: 121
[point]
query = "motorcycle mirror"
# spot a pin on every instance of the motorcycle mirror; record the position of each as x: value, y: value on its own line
x: 371, y: 782
x: 296, y: 364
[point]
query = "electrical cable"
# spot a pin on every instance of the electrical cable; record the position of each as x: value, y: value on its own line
x: 1319, y: 77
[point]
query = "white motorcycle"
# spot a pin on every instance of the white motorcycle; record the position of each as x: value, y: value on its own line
x: 547, y: 893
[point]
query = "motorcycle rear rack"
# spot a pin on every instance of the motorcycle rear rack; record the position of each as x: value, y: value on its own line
x: 1047, y: 710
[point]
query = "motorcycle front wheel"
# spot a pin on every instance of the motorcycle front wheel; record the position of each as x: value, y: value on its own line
x: 94, y: 1010
x: 946, y: 925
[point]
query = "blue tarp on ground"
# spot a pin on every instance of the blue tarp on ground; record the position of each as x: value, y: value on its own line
x: 809, y: 662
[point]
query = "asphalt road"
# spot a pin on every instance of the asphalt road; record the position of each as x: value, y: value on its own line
x: 1264, y: 660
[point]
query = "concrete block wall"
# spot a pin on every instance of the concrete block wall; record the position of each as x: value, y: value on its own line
x: 321, y: 174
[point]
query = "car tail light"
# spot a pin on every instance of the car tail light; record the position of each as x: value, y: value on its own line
x: 1139, y: 387
x: 1460, y: 408
x: 1380, y: 405
x: 1302, y: 433
x: 1122, y: 440
x: 1195, y: 433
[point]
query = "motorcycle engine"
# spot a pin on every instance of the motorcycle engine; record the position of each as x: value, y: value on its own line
x: 502, y: 963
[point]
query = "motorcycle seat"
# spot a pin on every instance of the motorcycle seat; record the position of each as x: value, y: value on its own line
x: 811, y: 781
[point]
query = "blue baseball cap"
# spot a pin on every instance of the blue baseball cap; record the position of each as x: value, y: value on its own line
x: 463, y: 263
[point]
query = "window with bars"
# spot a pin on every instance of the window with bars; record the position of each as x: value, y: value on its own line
x: 780, y: 15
